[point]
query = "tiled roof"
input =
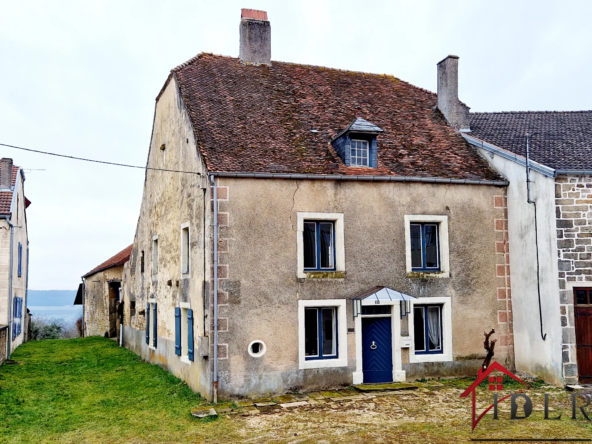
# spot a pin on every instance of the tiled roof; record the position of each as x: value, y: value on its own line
x: 6, y: 196
x: 562, y: 140
x: 260, y: 119
x: 119, y: 259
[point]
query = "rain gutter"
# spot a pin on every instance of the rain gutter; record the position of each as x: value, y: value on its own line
x: 498, y: 183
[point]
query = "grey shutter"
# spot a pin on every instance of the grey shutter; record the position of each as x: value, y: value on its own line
x: 190, y: 334
x: 148, y: 323
x: 177, y: 331
x: 154, y: 327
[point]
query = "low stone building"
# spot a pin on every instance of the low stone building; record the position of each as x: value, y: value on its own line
x: 306, y: 227
x: 14, y: 258
x: 550, y: 232
x: 101, y: 288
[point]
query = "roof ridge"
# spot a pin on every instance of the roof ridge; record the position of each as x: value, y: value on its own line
x: 201, y: 54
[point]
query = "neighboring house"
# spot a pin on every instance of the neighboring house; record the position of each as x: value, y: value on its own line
x: 330, y: 228
x: 14, y: 258
x: 550, y: 235
x: 99, y: 292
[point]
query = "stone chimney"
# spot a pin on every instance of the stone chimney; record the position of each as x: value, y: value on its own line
x: 6, y: 173
x: 255, y: 37
x: 455, y: 112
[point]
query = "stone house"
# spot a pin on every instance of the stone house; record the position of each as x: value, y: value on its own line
x: 101, y: 289
x: 306, y: 227
x: 14, y: 258
x: 550, y: 232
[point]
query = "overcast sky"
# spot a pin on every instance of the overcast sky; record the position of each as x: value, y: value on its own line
x: 80, y: 78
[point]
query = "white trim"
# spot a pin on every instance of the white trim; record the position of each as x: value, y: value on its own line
x: 184, y: 305
x: 398, y: 373
x: 185, y: 360
x: 339, y: 239
x: 185, y: 274
x: 446, y: 354
x: 341, y: 361
x: 261, y: 352
x: 443, y: 244
x: 154, y: 238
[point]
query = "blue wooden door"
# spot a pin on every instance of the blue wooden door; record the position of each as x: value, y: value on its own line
x: 377, y: 351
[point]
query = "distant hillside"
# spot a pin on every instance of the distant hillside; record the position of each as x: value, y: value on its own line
x: 50, y: 298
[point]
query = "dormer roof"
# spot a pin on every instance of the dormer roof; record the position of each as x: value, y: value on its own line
x: 360, y: 126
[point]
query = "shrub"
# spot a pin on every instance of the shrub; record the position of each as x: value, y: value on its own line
x: 42, y: 328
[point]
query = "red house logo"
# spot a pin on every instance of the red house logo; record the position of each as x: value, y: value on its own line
x: 495, y: 384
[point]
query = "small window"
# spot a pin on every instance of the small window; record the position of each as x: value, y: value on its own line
x: 132, y: 308
x: 376, y: 309
x: 155, y: 256
x: 425, y: 255
x: 359, y: 153
x: 142, y: 262
x: 427, y: 329
x: 583, y: 296
x: 185, y: 250
x: 319, y: 241
x: 257, y: 349
x: 320, y: 333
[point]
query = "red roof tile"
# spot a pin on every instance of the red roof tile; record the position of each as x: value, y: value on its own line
x: 259, y: 119
x: 119, y: 259
x: 6, y: 196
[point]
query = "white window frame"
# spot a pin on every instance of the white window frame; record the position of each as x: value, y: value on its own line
x: 154, y: 251
x: 341, y: 360
x: 446, y: 354
x: 185, y: 251
x: 367, y: 149
x: 337, y: 219
x: 184, y: 306
x: 443, y: 245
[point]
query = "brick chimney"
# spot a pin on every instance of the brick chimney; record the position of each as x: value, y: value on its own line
x: 455, y: 112
x: 6, y: 173
x: 255, y: 37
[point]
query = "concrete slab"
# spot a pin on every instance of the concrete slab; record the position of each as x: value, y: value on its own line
x: 203, y: 413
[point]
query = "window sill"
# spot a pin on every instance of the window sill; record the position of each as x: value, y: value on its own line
x: 324, y: 274
x: 440, y: 357
x: 427, y: 274
x: 324, y: 363
x: 151, y: 347
x: 185, y: 360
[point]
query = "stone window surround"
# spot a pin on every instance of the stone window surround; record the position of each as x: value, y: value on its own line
x: 443, y: 246
x: 150, y: 316
x: 155, y: 258
x: 341, y: 361
x: 185, y: 255
x: 337, y: 218
x: 446, y: 354
x: 184, y: 306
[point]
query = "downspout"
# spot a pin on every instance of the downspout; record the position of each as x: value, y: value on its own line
x: 215, y: 191
x: 536, y: 236
x: 9, y: 339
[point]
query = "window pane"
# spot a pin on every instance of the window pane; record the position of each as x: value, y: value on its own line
x: 328, y: 320
x: 376, y: 309
x: 431, y: 246
x: 310, y: 245
x: 419, y: 328
x: 311, y: 332
x: 581, y: 297
x: 416, y: 259
x: 434, y: 330
x: 326, y: 235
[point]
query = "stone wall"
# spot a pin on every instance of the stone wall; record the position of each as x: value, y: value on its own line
x: 3, y: 337
x: 96, y: 300
x: 573, y: 199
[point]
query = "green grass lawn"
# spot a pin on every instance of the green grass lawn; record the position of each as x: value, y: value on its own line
x: 90, y: 390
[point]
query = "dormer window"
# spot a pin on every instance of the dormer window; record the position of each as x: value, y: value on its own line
x: 359, y: 153
x: 357, y: 145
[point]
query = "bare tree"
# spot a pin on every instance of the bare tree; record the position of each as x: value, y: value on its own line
x: 489, y: 346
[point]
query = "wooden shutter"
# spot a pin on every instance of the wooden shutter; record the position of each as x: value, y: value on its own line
x: 20, y: 259
x: 154, y: 328
x: 148, y: 323
x: 190, y: 334
x: 177, y: 331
